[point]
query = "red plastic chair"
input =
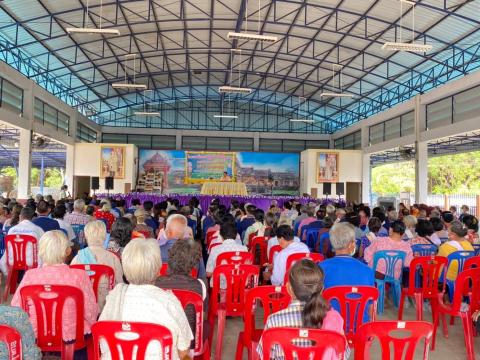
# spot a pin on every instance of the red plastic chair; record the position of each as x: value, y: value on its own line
x: 190, y: 298
x: 322, y: 341
x: 473, y: 262
x: 258, y: 247
x: 16, y: 248
x: 145, y: 233
x: 13, y: 342
x: 48, y: 302
x: 97, y: 272
x: 229, y: 301
x: 466, y: 284
x: 250, y: 238
x: 210, y: 236
x: 404, y: 344
x: 212, y: 245
x: 234, y: 257
x: 271, y: 299
x: 293, y: 258
x: 164, y: 271
x: 273, y: 250
x: 128, y: 337
x: 353, y: 301
x: 429, y: 269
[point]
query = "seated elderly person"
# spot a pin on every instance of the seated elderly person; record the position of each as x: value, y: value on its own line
x: 343, y: 269
x: 54, y: 248
x: 105, y: 214
x: 141, y: 227
x: 184, y: 256
x: 142, y: 301
x: 94, y: 253
x: 120, y: 236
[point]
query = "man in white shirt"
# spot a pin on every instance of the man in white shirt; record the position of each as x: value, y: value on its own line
x: 289, y: 246
x: 24, y: 227
x: 228, y: 232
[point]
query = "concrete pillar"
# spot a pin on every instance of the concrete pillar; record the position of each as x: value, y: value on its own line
x: 366, y: 179
x: 70, y: 167
x: 421, y: 172
x: 24, y: 164
x: 178, y: 141
x: 256, y: 141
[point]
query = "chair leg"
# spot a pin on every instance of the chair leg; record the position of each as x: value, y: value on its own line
x: 452, y: 320
x: 7, y: 286
x: 468, y: 334
x: 220, y: 330
x: 13, y: 281
x: 381, y: 297
x: 400, y: 306
x: 240, y: 345
x: 253, y: 355
x: 68, y: 351
x: 435, y: 316
x: 419, y: 306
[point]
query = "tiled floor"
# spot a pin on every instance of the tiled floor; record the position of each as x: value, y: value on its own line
x: 452, y: 348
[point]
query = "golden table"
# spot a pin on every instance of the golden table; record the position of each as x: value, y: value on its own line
x: 223, y: 188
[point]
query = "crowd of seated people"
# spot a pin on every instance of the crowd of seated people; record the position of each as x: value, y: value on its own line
x: 138, y: 242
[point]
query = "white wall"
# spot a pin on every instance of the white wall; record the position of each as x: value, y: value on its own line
x: 350, y: 168
x: 87, y: 163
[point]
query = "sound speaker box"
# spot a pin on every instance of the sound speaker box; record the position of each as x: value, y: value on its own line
x: 327, y: 189
x: 109, y: 183
x: 94, y: 183
x: 340, y: 188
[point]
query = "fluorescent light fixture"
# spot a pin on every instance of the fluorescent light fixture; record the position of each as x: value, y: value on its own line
x: 146, y: 113
x: 129, y: 86
x: 334, y: 94
x: 397, y: 46
x: 234, y: 90
x: 226, y: 116
x: 73, y: 30
x: 250, y: 36
x: 308, y: 121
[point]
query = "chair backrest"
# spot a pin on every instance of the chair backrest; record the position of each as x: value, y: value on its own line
x: 303, y: 343
x: 424, y: 249
x: 13, y: 342
x: 467, y: 284
x: 164, y: 271
x: 96, y: 272
x: 79, y: 231
x: 210, y: 236
x: 391, y: 258
x: 472, y: 262
x: 293, y: 258
x: 190, y: 298
x: 401, y: 336
x: 273, y: 250
x: 270, y: 298
x: 48, y: 302
x: 460, y: 257
x: 212, y: 245
x: 258, y: 247
x: 145, y: 233
x: 431, y: 270
x: 238, y: 278
x: 312, y: 237
x: 476, y: 248
x: 251, y: 236
x: 234, y: 257
x: 16, y: 245
x: 128, y: 337
x: 353, y: 301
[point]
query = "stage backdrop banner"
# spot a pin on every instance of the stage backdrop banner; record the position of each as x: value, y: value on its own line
x: 167, y: 171
x: 202, y: 166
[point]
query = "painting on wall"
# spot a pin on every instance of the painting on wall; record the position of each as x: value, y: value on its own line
x: 112, y: 162
x: 327, y: 167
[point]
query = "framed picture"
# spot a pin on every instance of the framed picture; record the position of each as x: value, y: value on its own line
x: 112, y: 162
x: 327, y: 167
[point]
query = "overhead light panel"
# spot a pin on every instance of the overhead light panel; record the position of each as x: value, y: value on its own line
x: 129, y: 86
x: 308, y: 121
x: 302, y: 100
x: 147, y: 113
x: 92, y: 31
x: 396, y: 46
x: 406, y: 46
x: 251, y: 37
x: 225, y: 116
x: 335, y: 94
x: 234, y: 90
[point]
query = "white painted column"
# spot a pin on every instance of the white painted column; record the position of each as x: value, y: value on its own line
x: 24, y: 164
x: 70, y: 166
x: 178, y: 141
x: 421, y: 172
x: 366, y: 179
x: 256, y: 141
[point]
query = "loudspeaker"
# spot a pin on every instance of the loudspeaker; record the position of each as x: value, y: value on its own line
x: 94, y: 182
x: 109, y: 183
x: 327, y: 189
x: 340, y: 187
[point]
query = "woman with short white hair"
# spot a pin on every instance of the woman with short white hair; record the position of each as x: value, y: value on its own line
x: 104, y: 214
x: 142, y: 301
x: 95, y: 234
x: 54, y: 248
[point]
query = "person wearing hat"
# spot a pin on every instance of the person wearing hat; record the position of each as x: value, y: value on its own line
x: 141, y: 227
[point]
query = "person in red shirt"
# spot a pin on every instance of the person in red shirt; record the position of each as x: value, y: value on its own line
x: 105, y: 215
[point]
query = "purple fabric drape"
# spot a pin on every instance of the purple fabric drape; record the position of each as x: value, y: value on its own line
x: 262, y: 202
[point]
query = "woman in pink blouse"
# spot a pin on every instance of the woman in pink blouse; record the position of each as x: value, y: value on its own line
x: 393, y: 242
x: 54, y: 248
